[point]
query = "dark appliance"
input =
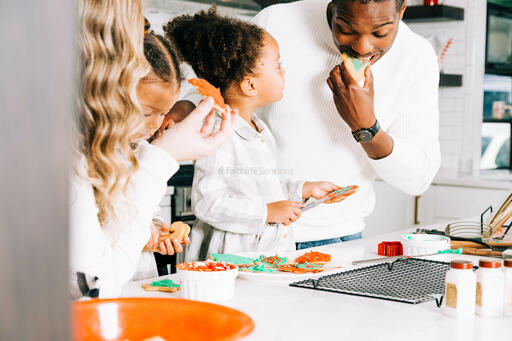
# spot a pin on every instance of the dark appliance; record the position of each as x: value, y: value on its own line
x: 181, y: 210
x: 498, y: 49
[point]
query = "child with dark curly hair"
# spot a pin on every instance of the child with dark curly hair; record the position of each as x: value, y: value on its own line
x: 240, y: 197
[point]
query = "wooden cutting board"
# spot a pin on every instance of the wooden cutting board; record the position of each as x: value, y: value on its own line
x: 455, y: 244
x: 475, y: 249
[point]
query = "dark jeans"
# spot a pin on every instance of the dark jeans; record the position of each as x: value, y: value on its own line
x: 314, y: 243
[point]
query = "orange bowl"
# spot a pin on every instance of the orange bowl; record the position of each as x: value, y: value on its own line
x: 138, y: 319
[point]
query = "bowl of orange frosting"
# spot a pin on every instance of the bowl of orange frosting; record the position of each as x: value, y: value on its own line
x: 207, y: 281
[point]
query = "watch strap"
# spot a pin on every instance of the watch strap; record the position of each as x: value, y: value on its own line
x: 371, y: 132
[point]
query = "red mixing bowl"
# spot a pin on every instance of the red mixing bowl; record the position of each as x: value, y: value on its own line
x: 138, y: 319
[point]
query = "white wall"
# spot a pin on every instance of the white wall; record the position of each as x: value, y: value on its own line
x: 460, y: 107
x: 158, y: 12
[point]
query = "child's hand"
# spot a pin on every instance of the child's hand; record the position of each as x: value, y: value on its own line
x: 196, y: 136
x: 318, y: 189
x: 167, y: 123
x: 166, y: 247
x: 284, y: 212
x: 153, y: 239
x: 178, y: 113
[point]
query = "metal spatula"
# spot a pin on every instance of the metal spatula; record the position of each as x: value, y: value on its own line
x: 335, y: 196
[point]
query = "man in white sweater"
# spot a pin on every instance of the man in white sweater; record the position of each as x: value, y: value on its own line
x: 329, y: 127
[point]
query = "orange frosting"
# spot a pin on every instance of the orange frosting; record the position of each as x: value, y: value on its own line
x: 208, y: 90
x: 207, y: 266
x: 314, y: 257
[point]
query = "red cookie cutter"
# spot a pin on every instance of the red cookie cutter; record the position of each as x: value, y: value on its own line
x: 390, y: 249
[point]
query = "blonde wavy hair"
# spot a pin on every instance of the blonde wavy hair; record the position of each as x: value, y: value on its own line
x: 112, y: 62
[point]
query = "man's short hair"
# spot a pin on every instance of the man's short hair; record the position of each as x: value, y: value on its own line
x: 398, y: 3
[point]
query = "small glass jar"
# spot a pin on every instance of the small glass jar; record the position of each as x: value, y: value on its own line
x: 507, y: 272
x: 460, y: 288
x: 489, y: 289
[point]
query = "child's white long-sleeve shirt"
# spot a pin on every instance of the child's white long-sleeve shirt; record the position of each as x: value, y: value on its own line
x: 230, y: 193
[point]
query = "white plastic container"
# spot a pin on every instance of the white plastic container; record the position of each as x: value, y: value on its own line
x: 207, y: 286
x: 460, y: 289
x: 489, y: 289
x: 507, y: 272
x: 424, y: 244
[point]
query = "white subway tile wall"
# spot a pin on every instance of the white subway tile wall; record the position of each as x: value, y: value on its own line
x: 460, y: 107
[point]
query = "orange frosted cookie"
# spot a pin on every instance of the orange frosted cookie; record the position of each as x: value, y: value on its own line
x: 208, y: 90
x: 340, y: 194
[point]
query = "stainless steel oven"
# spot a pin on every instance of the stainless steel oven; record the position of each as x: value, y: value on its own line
x: 182, y: 204
x: 181, y: 210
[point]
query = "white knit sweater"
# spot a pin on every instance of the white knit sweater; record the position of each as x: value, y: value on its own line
x: 112, y: 252
x: 316, y: 144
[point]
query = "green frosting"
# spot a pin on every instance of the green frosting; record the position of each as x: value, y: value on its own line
x: 425, y: 240
x: 308, y: 265
x: 231, y: 259
x: 260, y: 268
x: 165, y: 283
x: 359, y: 63
x: 457, y: 251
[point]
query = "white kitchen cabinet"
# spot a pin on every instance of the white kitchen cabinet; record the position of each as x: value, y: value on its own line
x: 165, y: 205
x: 394, y: 210
x: 445, y: 200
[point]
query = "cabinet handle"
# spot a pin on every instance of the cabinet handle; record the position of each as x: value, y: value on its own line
x: 416, y: 202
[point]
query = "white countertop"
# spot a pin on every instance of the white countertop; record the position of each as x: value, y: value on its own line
x: 281, y: 312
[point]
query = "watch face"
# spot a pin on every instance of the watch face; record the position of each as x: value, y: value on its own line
x: 363, y: 136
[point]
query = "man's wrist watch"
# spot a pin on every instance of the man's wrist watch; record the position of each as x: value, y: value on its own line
x: 366, y: 134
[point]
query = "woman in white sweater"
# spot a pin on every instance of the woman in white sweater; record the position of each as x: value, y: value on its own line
x: 118, y: 178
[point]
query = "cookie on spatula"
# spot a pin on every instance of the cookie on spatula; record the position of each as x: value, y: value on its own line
x: 340, y: 194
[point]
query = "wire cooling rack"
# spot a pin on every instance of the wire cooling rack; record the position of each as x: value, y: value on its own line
x: 411, y: 280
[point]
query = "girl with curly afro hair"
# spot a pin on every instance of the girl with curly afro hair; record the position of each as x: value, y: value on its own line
x: 238, y: 196
x: 238, y: 57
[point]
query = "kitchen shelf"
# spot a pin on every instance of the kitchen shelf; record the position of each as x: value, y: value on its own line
x: 416, y: 14
x: 266, y: 3
x: 498, y: 70
x: 450, y: 80
x: 497, y: 120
